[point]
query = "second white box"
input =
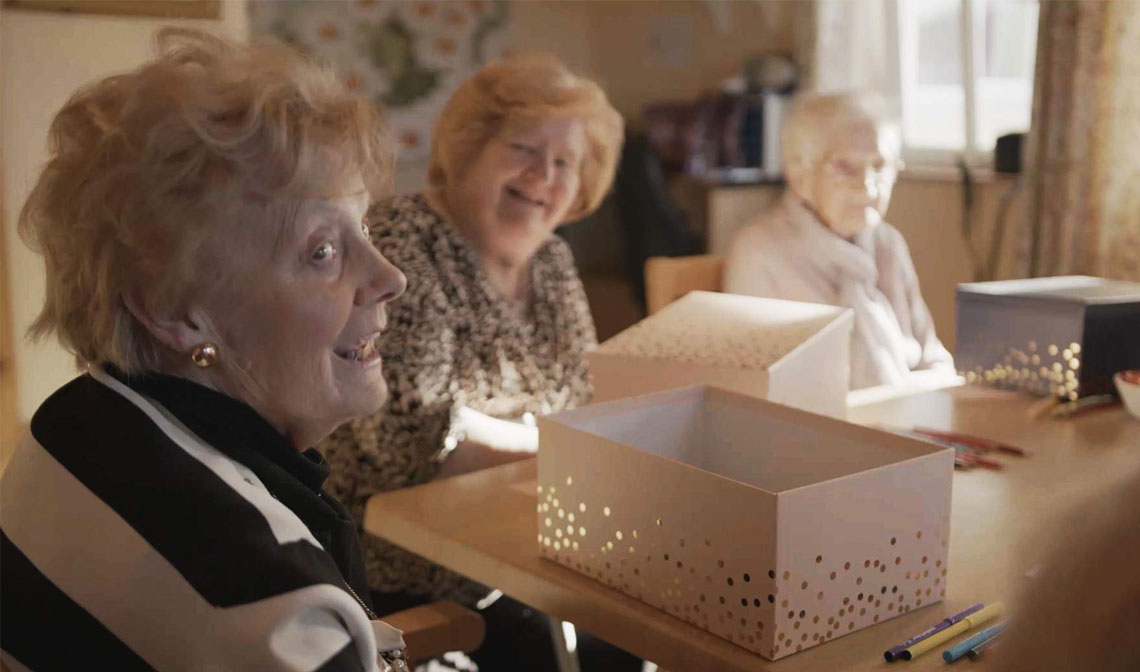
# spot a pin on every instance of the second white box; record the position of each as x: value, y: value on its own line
x: 784, y: 351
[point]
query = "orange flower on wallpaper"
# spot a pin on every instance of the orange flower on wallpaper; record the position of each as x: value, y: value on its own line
x: 446, y: 45
x: 402, y: 55
x: 455, y: 18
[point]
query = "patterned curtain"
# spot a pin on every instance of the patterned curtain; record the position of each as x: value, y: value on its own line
x: 1083, y: 161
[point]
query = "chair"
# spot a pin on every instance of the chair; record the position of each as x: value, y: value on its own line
x: 434, y: 629
x: 669, y: 278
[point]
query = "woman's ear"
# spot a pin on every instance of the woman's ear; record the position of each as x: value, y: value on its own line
x: 796, y: 174
x: 174, y: 329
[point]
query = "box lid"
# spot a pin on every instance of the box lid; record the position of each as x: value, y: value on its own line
x: 724, y: 330
x: 1067, y: 288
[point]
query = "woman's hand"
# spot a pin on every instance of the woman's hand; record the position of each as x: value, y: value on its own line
x: 469, y: 456
x: 489, y: 442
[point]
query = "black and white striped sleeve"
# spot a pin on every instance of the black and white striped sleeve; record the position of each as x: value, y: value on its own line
x: 130, y: 544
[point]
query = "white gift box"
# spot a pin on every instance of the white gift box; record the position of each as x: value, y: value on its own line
x: 785, y: 351
x: 768, y: 526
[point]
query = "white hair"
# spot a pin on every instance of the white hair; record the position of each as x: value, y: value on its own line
x: 809, y: 130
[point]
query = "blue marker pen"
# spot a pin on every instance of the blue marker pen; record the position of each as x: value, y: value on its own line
x: 959, y: 650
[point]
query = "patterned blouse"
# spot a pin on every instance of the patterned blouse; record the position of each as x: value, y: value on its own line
x: 453, y: 340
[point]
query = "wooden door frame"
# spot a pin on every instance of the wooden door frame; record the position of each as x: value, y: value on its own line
x: 11, y: 427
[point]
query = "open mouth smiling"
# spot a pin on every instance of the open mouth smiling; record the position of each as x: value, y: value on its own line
x: 363, y: 351
x: 517, y: 194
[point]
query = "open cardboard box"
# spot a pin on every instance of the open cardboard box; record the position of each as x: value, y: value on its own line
x: 774, y: 528
x: 765, y: 348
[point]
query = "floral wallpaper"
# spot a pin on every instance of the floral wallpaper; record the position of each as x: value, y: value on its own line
x: 407, y: 55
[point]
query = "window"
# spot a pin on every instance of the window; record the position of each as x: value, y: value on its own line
x: 965, y: 74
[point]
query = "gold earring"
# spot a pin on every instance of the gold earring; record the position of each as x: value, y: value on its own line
x: 205, y: 355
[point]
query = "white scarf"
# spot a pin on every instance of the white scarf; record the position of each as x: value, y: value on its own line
x: 865, y: 277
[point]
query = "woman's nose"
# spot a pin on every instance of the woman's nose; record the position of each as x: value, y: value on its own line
x: 383, y: 281
x: 871, y: 183
x: 542, y: 166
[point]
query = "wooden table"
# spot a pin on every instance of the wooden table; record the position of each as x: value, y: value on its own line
x: 483, y: 525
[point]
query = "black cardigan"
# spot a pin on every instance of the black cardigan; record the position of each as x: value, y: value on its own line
x: 152, y: 523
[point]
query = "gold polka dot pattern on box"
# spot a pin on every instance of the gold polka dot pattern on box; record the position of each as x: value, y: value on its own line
x: 1049, y: 369
x: 722, y: 330
x: 793, y: 604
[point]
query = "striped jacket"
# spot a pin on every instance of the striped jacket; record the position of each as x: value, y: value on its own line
x: 152, y: 523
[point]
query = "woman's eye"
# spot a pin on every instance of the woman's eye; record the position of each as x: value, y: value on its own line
x: 324, y: 252
x: 561, y: 163
x: 518, y: 146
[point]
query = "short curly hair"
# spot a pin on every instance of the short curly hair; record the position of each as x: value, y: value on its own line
x: 530, y: 86
x: 148, y: 170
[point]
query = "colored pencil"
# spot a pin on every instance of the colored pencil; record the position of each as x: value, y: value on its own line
x: 972, y: 441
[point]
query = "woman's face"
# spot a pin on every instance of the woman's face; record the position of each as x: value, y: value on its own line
x: 519, y: 187
x: 299, y: 322
x: 850, y: 186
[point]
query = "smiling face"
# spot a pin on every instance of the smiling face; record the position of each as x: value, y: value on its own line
x: 849, y: 186
x: 298, y: 320
x: 519, y: 187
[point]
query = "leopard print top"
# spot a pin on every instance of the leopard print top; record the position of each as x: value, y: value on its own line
x: 453, y: 340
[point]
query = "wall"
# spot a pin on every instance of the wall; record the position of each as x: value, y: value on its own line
x: 647, y: 51
x: 44, y: 57
x: 928, y: 212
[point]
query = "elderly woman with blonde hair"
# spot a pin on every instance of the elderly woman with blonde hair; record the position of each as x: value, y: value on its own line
x: 495, y: 325
x: 203, y: 225
x: 826, y: 240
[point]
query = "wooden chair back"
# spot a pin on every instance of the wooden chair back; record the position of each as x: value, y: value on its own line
x: 669, y: 278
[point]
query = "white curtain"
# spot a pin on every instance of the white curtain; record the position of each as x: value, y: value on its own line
x: 855, y: 47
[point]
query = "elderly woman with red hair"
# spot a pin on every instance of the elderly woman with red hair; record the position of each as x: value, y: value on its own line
x: 203, y: 225
x: 495, y: 325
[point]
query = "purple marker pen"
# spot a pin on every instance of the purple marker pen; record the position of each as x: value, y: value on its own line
x: 893, y: 653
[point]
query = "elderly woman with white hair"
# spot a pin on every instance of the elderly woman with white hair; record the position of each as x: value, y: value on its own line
x: 826, y: 241
x: 203, y: 225
x: 495, y: 325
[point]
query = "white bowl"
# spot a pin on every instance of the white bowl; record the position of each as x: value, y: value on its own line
x: 1129, y: 394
